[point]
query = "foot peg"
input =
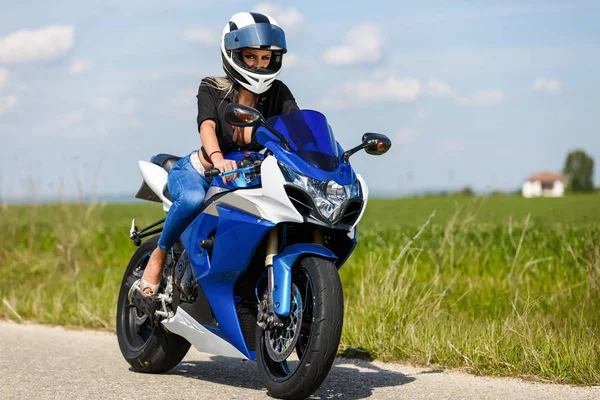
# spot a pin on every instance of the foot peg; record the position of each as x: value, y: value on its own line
x: 134, y: 234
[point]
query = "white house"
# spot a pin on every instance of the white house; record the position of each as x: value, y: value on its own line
x: 545, y: 183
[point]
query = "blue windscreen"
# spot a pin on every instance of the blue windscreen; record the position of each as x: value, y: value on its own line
x: 310, y: 137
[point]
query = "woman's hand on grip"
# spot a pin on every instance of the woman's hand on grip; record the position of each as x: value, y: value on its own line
x: 225, y: 165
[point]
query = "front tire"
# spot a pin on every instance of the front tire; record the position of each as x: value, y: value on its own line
x: 146, y: 346
x: 317, y: 283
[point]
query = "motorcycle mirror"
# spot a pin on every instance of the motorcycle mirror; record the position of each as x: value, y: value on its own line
x: 240, y: 115
x: 376, y: 143
x: 373, y: 143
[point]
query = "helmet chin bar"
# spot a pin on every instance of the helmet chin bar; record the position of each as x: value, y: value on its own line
x: 247, y: 78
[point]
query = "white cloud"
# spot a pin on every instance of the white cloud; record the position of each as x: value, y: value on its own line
x: 7, y: 103
x: 481, y: 98
x: 289, y: 19
x: 103, y: 117
x: 127, y: 106
x: 102, y: 103
x: 331, y: 103
x: 134, y: 123
x: 291, y: 61
x: 121, y: 106
x: 405, y: 136
x: 361, y: 45
x: 382, y: 85
x: 62, y: 124
x: 385, y: 85
x: 392, y: 88
x: 184, y: 99
x: 547, y: 85
x: 3, y: 76
x: 450, y: 146
x: 209, y: 36
x: 490, y: 13
x: 437, y: 88
x: 80, y: 66
x: 109, y: 114
x: 84, y: 122
x: 45, y: 44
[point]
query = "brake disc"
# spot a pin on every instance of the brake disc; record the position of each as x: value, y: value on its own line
x: 280, y: 342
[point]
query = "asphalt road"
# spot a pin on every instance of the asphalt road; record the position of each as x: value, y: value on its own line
x: 40, y: 362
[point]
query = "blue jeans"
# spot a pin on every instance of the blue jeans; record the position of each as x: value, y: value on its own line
x: 188, y: 188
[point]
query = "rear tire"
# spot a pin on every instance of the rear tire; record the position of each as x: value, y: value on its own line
x: 320, y: 289
x: 146, y: 346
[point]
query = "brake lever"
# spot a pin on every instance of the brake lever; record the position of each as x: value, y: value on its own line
x: 246, y: 165
x: 215, y: 172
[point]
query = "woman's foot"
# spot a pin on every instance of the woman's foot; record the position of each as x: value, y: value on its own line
x: 143, y: 293
x: 151, y: 279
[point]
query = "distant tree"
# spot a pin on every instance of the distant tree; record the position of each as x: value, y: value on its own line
x: 466, y: 191
x: 579, y: 170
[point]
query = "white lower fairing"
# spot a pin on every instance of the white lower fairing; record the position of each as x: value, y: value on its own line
x: 270, y: 208
x: 156, y: 179
x: 270, y: 202
x: 203, y: 339
x: 272, y: 198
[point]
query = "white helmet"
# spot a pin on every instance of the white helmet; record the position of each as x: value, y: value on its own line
x: 257, y: 31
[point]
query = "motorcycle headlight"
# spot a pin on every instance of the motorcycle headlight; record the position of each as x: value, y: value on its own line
x: 329, y: 196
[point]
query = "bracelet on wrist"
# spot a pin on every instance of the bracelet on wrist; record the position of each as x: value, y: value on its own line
x: 211, y: 154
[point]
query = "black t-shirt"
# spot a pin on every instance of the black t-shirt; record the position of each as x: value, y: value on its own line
x: 212, y: 102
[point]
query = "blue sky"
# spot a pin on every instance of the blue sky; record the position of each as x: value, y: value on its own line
x: 471, y: 93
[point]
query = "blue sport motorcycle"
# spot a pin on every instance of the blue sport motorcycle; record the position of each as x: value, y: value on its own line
x: 255, y: 275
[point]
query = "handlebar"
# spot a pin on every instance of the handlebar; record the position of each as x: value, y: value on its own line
x: 211, y: 173
x: 243, y: 167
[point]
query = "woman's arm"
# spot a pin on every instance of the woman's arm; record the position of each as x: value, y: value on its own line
x: 208, y: 136
x: 207, y: 127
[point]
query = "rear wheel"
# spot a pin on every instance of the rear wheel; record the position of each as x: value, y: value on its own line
x: 146, y: 346
x: 295, y: 359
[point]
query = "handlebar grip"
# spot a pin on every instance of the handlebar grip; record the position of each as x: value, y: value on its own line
x: 211, y: 173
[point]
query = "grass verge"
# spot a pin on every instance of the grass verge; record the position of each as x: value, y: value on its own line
x: 499, y: 286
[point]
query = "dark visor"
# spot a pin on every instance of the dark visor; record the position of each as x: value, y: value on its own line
x: 255, y: 35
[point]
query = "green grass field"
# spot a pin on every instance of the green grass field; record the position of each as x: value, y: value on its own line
x: 499, y: 285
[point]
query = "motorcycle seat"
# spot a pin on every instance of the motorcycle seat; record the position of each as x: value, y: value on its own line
x: 167, y: 161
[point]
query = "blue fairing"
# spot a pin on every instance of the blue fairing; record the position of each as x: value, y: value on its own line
x: 315, y: 152
x: 282, y: 272
x: 238, y: 234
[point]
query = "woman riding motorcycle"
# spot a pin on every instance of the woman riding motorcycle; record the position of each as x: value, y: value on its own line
x: 252, y: 49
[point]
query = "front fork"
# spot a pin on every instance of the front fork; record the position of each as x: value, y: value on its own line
x: 269, y: 308
x: 266, y: 313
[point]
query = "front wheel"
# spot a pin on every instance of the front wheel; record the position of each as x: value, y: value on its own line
x: 295, y: 359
